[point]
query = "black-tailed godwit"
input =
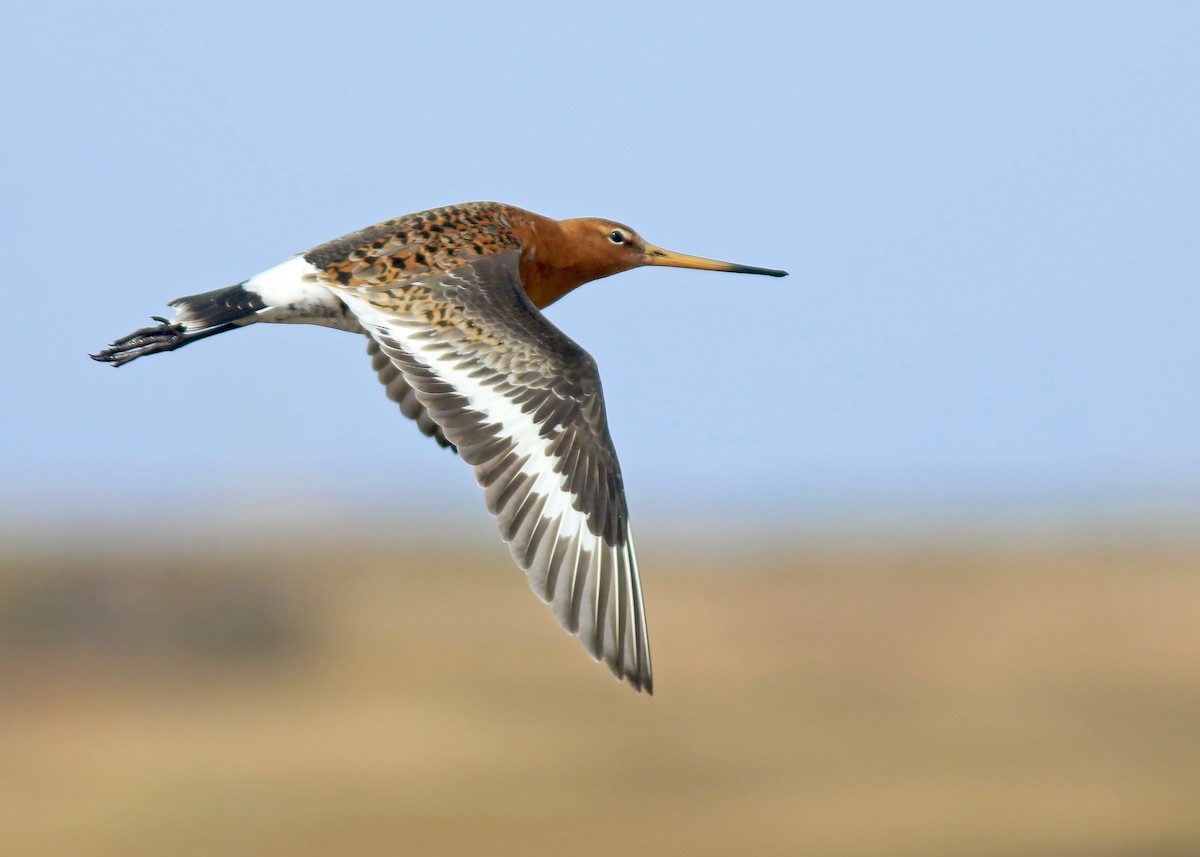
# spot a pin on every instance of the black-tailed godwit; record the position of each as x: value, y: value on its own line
x: 450, y: 300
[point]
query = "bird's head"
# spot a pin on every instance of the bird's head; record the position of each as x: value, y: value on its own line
x: 605, y: 247
x: 562, y: 255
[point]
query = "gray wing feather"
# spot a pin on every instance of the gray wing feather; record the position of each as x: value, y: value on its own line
x: 399, y: 391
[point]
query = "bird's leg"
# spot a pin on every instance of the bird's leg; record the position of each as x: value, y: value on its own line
x: 151, y: 340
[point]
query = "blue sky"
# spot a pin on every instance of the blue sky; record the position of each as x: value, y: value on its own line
x: 990, y: 213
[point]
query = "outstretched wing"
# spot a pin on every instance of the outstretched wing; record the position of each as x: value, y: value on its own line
x: 522, y: 404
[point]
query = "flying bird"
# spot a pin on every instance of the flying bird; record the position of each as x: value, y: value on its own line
x: 450, y: 302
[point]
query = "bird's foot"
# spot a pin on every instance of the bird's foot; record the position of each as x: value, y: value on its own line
x: 148, y: 340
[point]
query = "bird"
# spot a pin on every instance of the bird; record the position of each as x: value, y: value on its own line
x: 450, y: 301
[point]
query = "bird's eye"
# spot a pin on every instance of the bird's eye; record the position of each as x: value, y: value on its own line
x: 616, y: 236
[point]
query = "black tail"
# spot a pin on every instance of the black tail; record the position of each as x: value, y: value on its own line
x: 196, y: 317
x: 220, y: 306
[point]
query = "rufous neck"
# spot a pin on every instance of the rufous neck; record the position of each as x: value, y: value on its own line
x: 551, y: 262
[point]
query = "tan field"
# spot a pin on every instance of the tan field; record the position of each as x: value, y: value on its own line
x: 940, y: 698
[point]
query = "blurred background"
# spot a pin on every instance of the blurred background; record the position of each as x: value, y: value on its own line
x: 917, y: 525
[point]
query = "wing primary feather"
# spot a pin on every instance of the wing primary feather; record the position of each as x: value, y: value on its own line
x: 603, y: 579
x: 533, y: 557
x: 586, y: 607
x: 579, y: 582
x: 511, y: 499
x: 485, y: 450
x: 524, y: 527
x: 643, y: 669
x: 494, y: 471
x: 565, y: 594
x: 624, y: 609
x: 525, y: 512
x: 558, y: 558
x: 503, y: 491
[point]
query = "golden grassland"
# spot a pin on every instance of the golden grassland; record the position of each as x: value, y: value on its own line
x: 937, y: 699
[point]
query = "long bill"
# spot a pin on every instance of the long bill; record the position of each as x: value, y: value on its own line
x: 671, y: 259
